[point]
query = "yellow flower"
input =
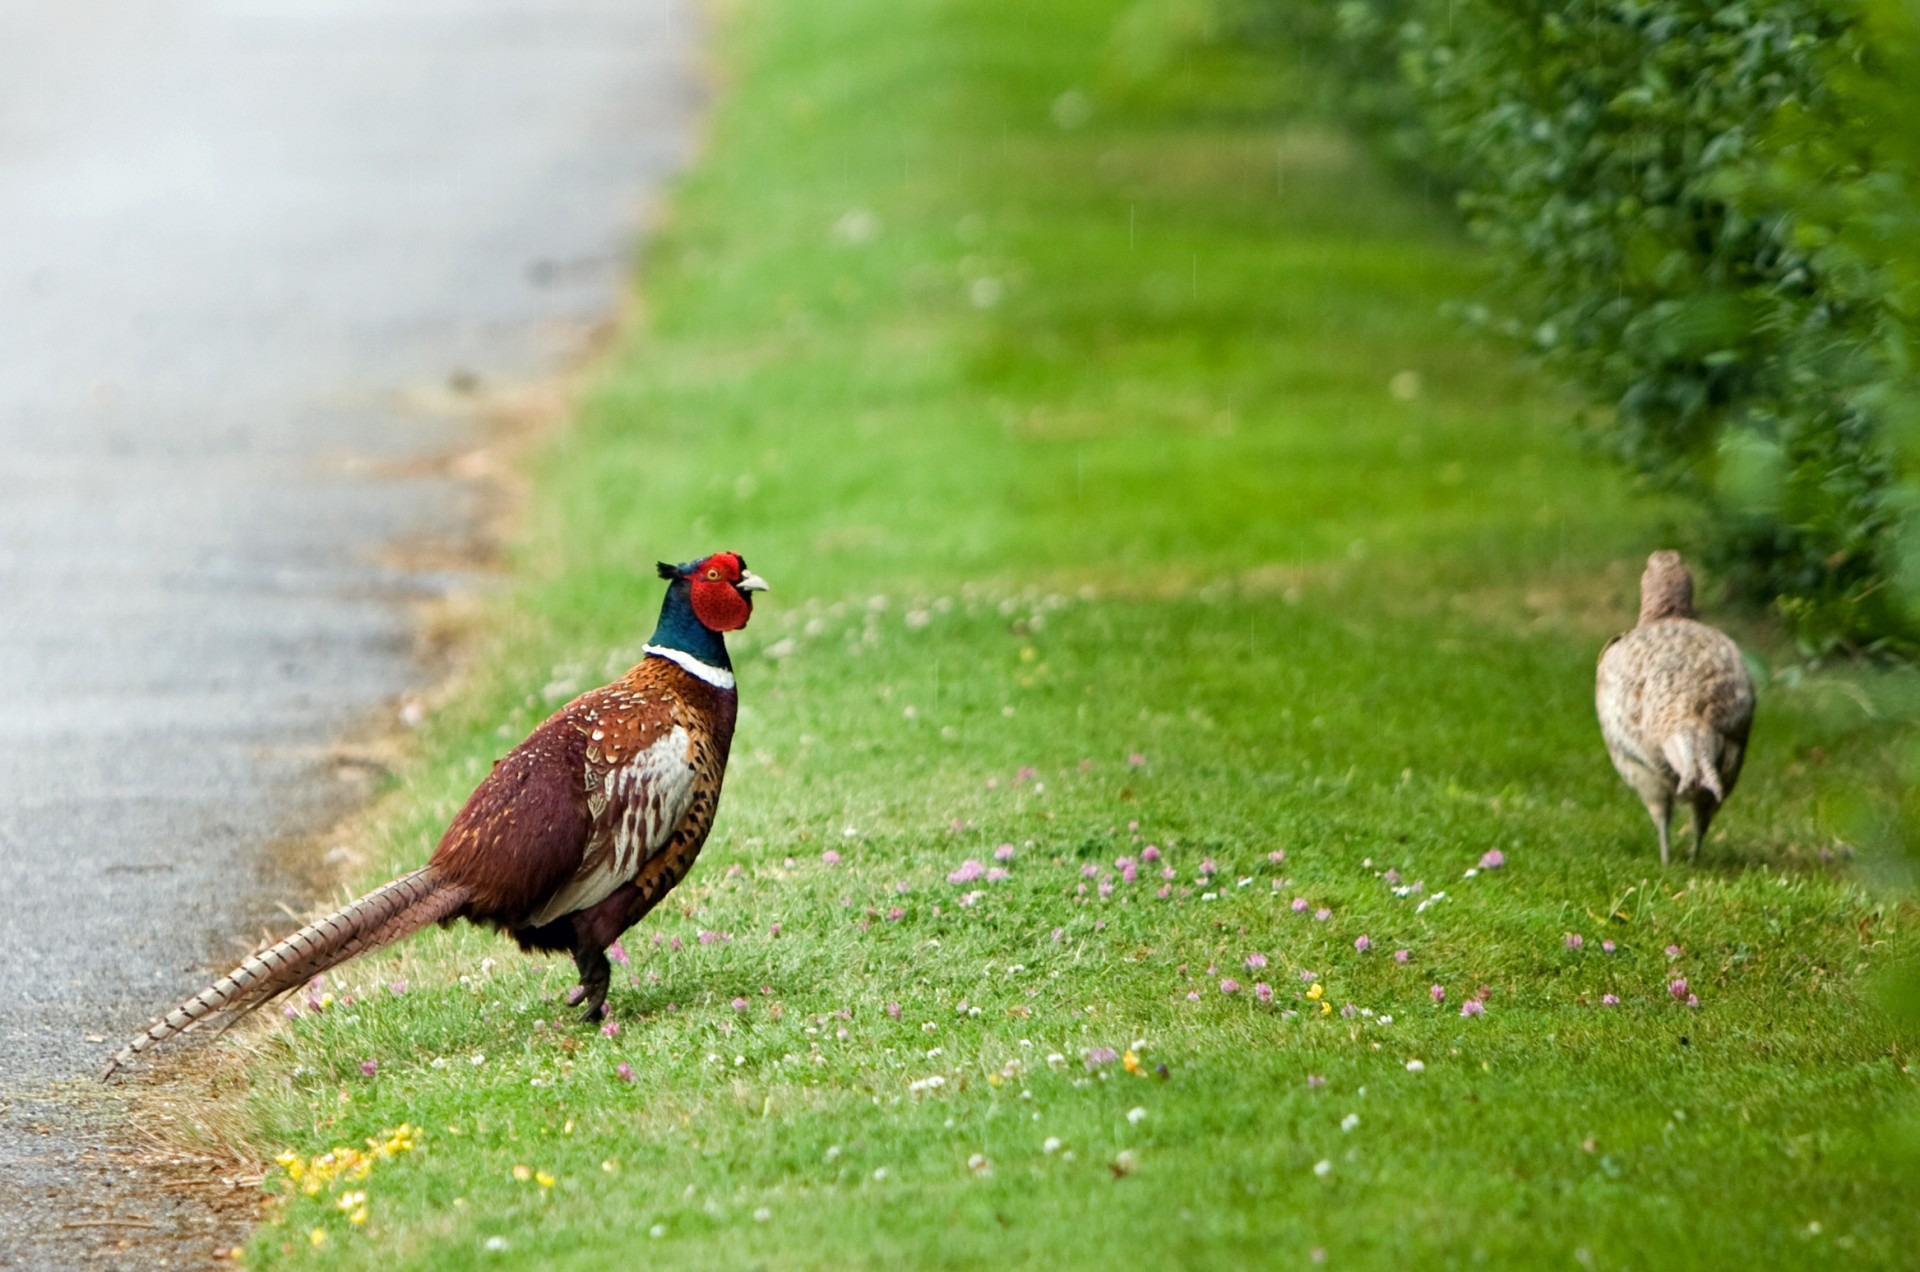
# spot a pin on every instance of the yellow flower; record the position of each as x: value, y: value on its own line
x: 1315, y: 992
x: 345, y: 1162
x: 1326, y: 1009
x: 349, y: 1200
x: 543, y: 1179
x: 358, y: 1217
x: 522, y: 1173
x: 317, y: 1238
x: 1132, y: 1062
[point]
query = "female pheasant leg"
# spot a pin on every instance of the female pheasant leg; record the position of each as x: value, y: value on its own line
x: 1704, y: 807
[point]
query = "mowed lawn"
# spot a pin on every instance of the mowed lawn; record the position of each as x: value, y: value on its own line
x: 1142, y: 531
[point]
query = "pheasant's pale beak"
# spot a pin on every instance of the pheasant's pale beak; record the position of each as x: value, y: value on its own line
x: 751, y: 582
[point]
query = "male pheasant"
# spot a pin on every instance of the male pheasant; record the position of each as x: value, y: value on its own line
x: 573, y: 837
x: 1675, y: 703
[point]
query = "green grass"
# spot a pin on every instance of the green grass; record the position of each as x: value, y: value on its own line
x: 1052, y: 385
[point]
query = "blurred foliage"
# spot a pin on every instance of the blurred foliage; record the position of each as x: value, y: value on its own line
x: 1891, y: 233
x: 1699, y: 207
x: 1348, y: 56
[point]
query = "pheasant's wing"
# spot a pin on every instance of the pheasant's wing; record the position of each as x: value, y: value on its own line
x: 1617, y: 695
x: 542, y: 828
x: 1726, y: 692
x: 524, y: 830
x: 639, y: 783
x: 1726, y: 703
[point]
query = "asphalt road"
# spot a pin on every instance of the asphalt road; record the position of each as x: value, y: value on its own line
x: 237, y: 240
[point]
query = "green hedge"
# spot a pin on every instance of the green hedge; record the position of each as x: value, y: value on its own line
x: 1694, y: 203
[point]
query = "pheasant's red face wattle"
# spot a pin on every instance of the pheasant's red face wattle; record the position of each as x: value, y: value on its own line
x: 718, y: 601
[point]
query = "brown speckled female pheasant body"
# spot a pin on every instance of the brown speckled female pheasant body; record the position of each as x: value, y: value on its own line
x: 573, y: 837
x: 1675, y: 703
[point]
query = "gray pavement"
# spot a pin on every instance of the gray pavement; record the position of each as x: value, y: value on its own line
x: 234, y: 237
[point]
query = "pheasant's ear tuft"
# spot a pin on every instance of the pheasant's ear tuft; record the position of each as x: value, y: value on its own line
x: 668, y: 571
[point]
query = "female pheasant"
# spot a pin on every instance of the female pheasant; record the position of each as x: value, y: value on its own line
x: 1675, y: 703
x: 573, y: 837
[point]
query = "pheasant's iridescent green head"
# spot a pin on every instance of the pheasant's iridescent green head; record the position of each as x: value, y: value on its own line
x: 721, y: 588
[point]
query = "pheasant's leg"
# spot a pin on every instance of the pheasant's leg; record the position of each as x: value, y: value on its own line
x: 1703, y: 811
x: 595, y: 975
x: 1662, y: 813
x: 594, y: 930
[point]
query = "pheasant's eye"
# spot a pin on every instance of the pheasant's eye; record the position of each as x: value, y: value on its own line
x: 713, y: 574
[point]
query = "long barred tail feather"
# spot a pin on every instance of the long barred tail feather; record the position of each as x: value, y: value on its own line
x: 383, y: 916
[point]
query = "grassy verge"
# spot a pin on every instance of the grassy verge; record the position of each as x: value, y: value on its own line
x: 1125, y: 497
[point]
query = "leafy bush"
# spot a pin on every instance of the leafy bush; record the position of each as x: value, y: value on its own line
x: 1661, y: 176
x: 1693, y: 201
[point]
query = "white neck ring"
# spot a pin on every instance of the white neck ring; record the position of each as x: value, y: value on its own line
x: 719, y: 677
